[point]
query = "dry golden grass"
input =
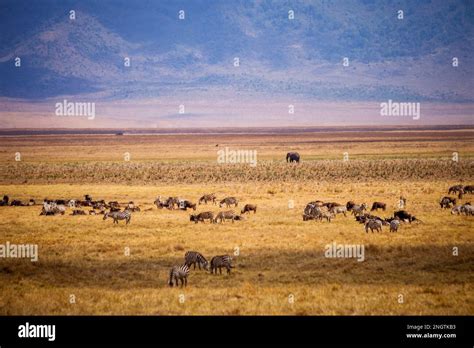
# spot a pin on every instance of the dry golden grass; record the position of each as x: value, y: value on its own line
x: 279, y: 253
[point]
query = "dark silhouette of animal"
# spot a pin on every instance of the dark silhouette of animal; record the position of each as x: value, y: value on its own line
x: 403, y: 215
x: 207, y: 215
x: 4, y: 201
x: 217, y: 262
x: 228, y: 201
x: 248, y: 208
x: 468, y: 189
x: 350, y: 205
x: 446, y: 202
x: 331, y: 205
x: 16, y: 203
x: 193, y: 258
x: 208, y: 198
x: 293, y: 157
x: 78, y: 212
x: 179, y: 273
x: 225, y: 215
x: 32, y: 202
x: 119, y: 215
x: 378, y: 205
x: 455, y: 189
x: 185, y: 204
x: 132, y: 207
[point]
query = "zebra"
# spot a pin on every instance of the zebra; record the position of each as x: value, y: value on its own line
x: 119, y: 215
x: 219, y: 262
x: 193, y: 257
x: 394, y: 224
x: 359, y: 209
x: 373, y: 225
x: 179, y: 273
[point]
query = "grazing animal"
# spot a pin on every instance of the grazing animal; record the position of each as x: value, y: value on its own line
x: 52, y: 209
x: 217, y: 262
x: 468, y: 189
x: 16, y: 203
x: 207, y: 215
x: 350, y: 205
x: 248, y: 208
x: 185, y: 204
x: 330, y: 205
x: 403, y: 215
x: 455, y: 189
x: 339, y: 210
x: 208, y: 198
x: 359, y: 209
x: 4, y: 201
x: 446, y: 202
x: 179, y: 273
x: 228, y: 201
x: 225, y: 215
x: 293, y: 157
x: 373, y: 224
x: 467, y: 209
x: 193, y: 258
x: 378, y: 205
x: 325, y: 215
x: 394, y: 224
x: 119, y: 215
x: 78, y: 212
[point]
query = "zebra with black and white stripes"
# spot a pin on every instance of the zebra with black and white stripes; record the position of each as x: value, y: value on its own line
x: 179, y: 273
x: 193, y: 257
x: 219, y: 262
x: 119, y: 215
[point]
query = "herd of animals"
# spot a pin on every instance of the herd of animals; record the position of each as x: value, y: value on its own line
x: 315, y: 210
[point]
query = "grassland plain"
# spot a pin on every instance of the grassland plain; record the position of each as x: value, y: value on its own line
x: 280, y: 257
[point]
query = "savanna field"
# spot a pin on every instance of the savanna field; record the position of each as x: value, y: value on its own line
x: 279, y: 260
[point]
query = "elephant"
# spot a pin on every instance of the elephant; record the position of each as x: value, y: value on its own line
x: 293, y: 157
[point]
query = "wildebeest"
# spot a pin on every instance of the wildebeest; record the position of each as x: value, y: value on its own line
x: 207, y: 215
x: 248, y: 208
x: 228, y: 201
x: 403, y: 215
x: 468, y: 189
x: 350, y: 205
x: 225, y: 215
x: 378, y: 205
x: 456, y: 210
x: 78, y: 212
x: 373, y: 224
x: 330, y: 205
x: 455, y: 189
x: 185, y: 204
x: 293, y: 157
x: 132, y: 207
x: 211, y: 197
x: 4, y: 201
x: 339, y: 210
x: 17, y: 203
x: 446, y: 202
